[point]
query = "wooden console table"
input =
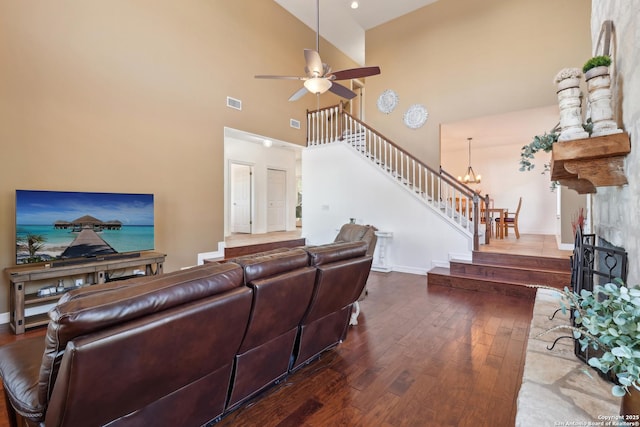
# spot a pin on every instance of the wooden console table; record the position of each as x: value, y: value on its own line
x: 26, y: 279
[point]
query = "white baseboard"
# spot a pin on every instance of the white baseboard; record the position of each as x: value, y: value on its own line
x: 564, y: 246
x: 4, y: 318
x: 460, y: 256
x: 443, y: 264
x: 381, y: 268
x: 219, y: 254
x: 410, y: 270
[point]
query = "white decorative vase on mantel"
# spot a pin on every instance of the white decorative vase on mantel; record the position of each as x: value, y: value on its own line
x: 599, y: 96
x: 570, y: 104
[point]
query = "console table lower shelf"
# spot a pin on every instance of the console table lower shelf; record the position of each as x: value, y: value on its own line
x: 557, y: 388
x: 24, y: 281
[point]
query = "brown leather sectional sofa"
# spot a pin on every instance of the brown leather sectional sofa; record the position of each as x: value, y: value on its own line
x: 187, y: 347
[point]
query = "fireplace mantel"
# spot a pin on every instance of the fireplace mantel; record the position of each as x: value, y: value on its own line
x: 584, y: 164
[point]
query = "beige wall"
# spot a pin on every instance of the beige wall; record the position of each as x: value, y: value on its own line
x: 468, y: 58
x: 124, y: 96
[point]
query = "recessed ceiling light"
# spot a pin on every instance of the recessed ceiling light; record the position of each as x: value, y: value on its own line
x: 267, y: 143
x: 354, y: 5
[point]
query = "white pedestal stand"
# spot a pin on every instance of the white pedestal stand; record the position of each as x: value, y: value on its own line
x: 570, y: 110
x: 599, y: 88
x: 380, y: 263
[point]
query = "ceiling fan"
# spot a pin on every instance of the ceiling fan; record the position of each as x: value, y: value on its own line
x: 319, y: 77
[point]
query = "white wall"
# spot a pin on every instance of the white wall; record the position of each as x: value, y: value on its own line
x: 495, y: 154
x: 338, y: 184
x: 615, y: 209
x: 261, y: 158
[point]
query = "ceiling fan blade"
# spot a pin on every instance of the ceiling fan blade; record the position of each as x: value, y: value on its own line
x: 262, y: 76
x: 342, y: 91
x: 314, y: 63
x: 299, y: 94
x: 356, y: 73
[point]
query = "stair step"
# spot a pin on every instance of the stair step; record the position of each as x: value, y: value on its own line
x: 511, y: 274
x: 523, y: 261
x: 440, y: 276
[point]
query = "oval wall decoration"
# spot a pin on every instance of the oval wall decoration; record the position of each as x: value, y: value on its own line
x: 416, y: 116
x: 387, y: 101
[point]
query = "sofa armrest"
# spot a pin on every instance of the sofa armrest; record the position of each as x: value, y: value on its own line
x: 20, y: 371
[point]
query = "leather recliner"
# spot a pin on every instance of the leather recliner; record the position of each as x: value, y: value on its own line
x: 153, y: 351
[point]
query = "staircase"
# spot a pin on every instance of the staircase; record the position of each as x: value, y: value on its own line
x: 501, y: 273
x: 454, y: 201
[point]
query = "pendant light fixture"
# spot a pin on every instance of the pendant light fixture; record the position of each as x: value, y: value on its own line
x: 470, y: 177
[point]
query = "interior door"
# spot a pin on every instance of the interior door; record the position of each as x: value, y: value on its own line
x: 241, y: 194
x: 357, y: 103
x: 276, y: 200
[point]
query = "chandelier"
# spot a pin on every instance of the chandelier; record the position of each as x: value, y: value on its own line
x: 470, y: 177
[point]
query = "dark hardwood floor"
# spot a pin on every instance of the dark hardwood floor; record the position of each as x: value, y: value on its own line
x: 421, y: 356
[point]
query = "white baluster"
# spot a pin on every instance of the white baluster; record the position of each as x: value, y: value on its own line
x: 338, y: 122
x: 386, y: 156
x: 413, y: 181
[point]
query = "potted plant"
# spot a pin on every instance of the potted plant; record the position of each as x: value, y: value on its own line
x: 597, y: 74
x: 570, y: 104
x: 596, y: 61
x: 608, y: 318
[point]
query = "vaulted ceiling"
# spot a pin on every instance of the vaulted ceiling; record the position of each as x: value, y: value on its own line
x: 343, y: 26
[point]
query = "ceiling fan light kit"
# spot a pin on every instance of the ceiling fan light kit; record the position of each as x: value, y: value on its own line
x: 317, y: 85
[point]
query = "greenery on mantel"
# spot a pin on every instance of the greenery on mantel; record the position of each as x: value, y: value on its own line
x: 544, y: 143
x: 596, y: 61
x: 608, y: 318
x: 540, y: 143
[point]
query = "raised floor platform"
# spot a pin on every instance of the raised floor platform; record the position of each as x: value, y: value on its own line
x: 507, y: 266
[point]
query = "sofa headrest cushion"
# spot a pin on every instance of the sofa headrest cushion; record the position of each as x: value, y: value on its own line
x: 97, y: 310
x: 133, y: 299
x: 270, y: 264
x: 334, y: 252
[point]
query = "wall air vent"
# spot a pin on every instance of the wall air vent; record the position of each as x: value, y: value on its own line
x: 234, y: 103
x: 294, y: 123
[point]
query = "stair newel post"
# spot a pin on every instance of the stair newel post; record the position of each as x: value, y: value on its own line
x: 476, y: 217
x: 487, y: 219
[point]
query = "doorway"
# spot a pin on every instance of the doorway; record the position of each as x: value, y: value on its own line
x: 356, y: 108
x: 276, y: 200
x: 241, y: 197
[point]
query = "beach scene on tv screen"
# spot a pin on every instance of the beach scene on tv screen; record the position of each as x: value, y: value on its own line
x: 55, y: 225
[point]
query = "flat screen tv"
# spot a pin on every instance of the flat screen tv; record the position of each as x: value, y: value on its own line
x: 62, y: 227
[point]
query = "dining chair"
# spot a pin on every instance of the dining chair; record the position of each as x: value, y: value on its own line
x: 483, y: 209
x: 510, y: 220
